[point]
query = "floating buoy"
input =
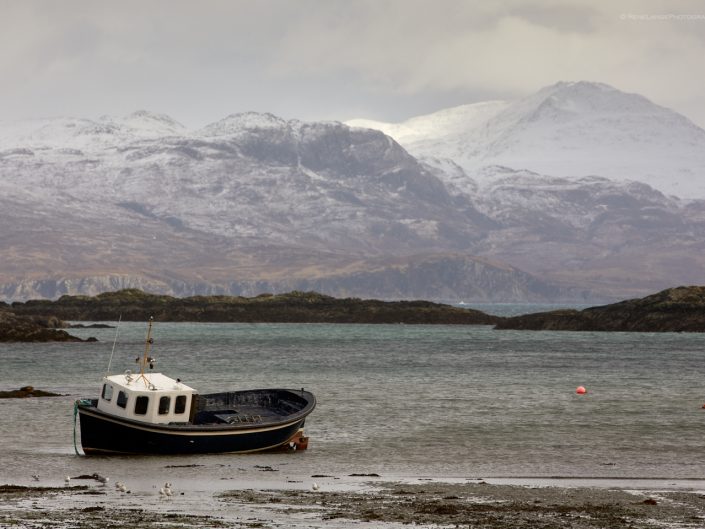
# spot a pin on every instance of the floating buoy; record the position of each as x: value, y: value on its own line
x: 581, y: 390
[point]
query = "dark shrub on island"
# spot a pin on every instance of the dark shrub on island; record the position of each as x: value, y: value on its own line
x: 293, y: 307
x: 680, y: 309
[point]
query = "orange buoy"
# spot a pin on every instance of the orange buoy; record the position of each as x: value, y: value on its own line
x: 581, y: 390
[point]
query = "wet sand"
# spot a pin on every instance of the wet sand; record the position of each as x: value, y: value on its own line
x: 353, y: 502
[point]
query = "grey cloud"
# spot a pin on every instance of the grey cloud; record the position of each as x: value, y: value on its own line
x: 314, y: 59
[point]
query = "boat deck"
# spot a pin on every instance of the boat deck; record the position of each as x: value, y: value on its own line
x: 248, y: 407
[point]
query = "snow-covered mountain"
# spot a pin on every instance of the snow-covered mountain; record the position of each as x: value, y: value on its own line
x: 250, y: 175
x: 247, y: 204
x: 257, y: 203
x: 67, y: 136
x: 593, y: 231
x: 570, y: 129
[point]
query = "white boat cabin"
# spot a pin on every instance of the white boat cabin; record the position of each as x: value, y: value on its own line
x: 151, y: 397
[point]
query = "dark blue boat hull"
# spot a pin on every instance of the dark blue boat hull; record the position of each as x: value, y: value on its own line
x: 103, y: 433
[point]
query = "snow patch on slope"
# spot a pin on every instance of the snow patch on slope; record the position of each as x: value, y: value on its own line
x: 437, y: 126
x: 86, y: 135
x: 570, y: 129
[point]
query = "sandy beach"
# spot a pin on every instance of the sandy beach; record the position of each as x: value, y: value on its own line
x: 352, y: 501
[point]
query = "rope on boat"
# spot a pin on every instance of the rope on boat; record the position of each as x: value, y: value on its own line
x: 117, y: 331
x: 75, y: 414
x: 85, y: 402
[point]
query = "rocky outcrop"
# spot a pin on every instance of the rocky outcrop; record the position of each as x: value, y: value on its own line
x: 19, y: 328
x: 295, y: 307
x: 680, y: 309
x: 26, y: 392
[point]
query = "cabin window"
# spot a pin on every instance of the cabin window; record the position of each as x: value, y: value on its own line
x: 180, y: 406
x: 141, y: 405
x: 122, y: 399
x: 164, y: 403
x: 107, y: 392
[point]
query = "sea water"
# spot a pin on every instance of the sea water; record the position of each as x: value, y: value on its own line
x: 395, y: 400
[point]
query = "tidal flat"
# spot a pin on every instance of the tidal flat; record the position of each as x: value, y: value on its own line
x: 344, y: 503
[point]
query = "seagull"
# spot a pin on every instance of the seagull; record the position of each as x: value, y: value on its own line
x: 121, y: 487
x: 35, y: 477
x: 165, y: 491
x: 315, y: 486
x: 67, y: 479
x: 100, y: 478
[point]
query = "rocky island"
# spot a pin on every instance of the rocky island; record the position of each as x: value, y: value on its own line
x: 293, y: 307
x: 680, y: 309
x: 26, y: 392
x: 23, y: 328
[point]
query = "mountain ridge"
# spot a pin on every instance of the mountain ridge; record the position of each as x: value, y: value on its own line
x: 255, y: 201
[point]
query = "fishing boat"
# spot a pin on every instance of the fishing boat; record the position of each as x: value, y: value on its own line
x: 151, y: 413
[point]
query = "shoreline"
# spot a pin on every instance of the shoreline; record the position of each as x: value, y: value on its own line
x: 204, y: 478
x: 346, y: 501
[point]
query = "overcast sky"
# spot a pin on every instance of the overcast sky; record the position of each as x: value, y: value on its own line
x: 199, y: 61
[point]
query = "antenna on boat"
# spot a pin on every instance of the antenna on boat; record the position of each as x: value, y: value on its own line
x: 147, y: 345
x: 117, y: 331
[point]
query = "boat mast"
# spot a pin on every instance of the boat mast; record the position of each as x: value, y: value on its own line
x: 147, y: 345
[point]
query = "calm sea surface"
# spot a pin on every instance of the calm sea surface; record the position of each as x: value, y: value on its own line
x: 400, y: 400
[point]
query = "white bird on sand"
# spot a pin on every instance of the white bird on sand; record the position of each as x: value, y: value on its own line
x: 315, y: 486
x: 67, y: 479
x: 165, y: 491
x: 123, y: 488
x: 35, y: 477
